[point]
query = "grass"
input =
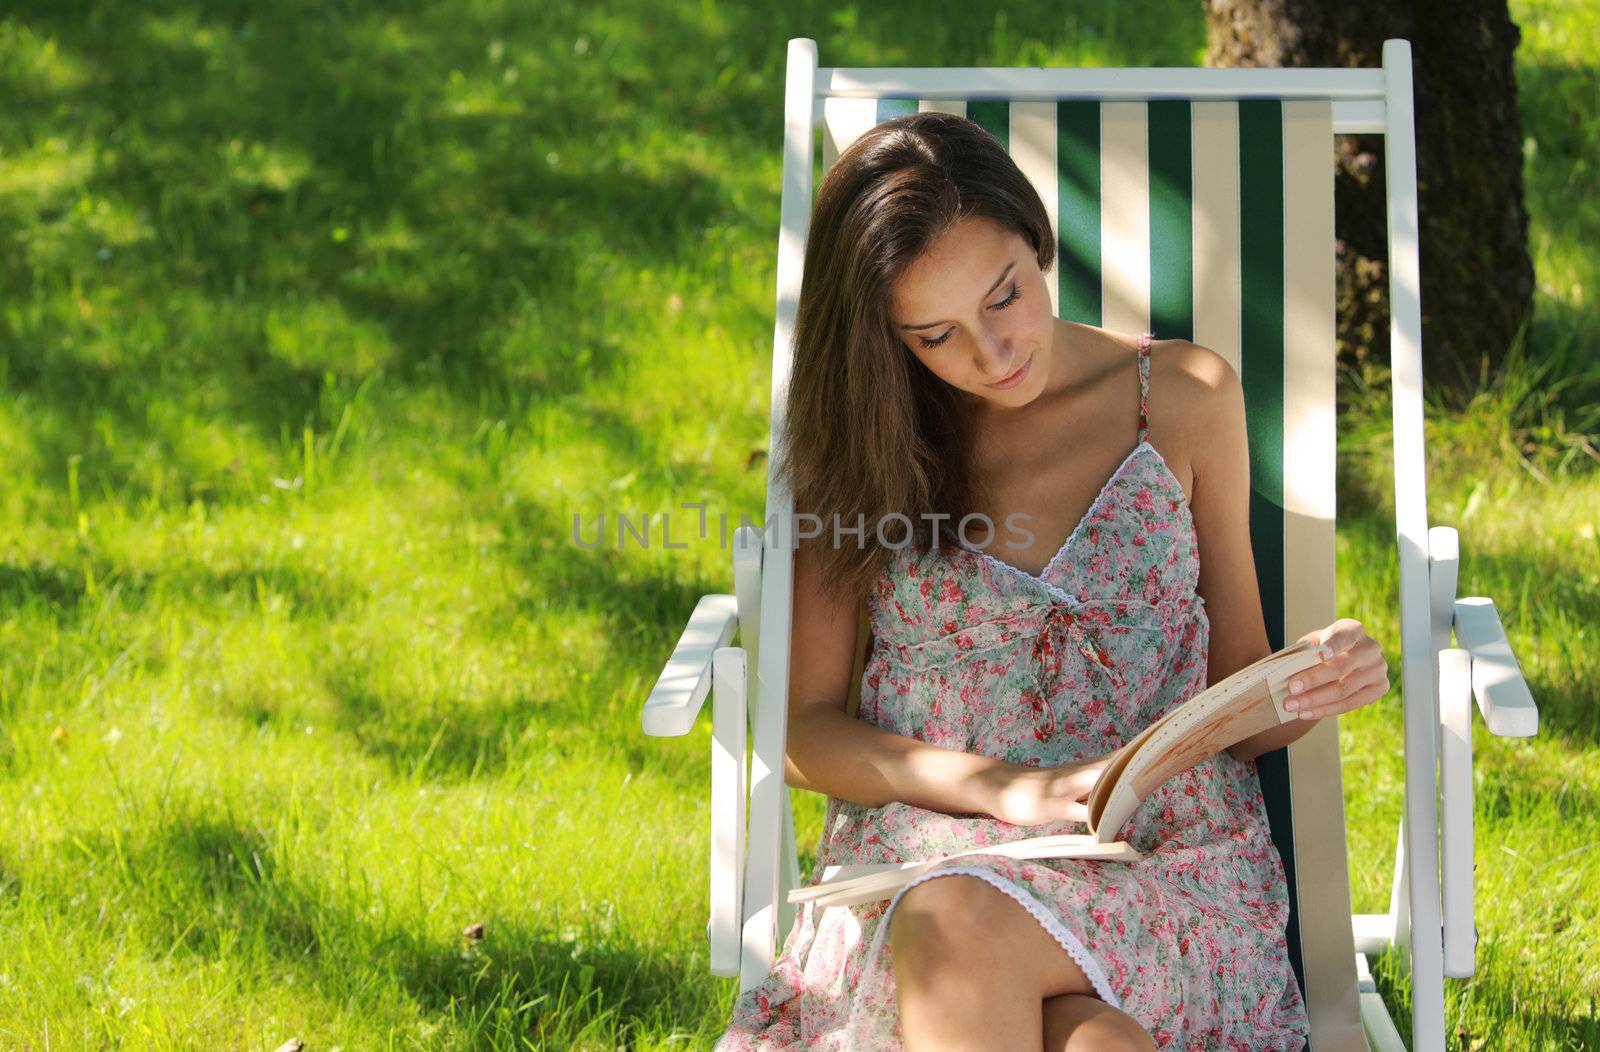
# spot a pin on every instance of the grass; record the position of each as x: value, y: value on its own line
x: 317, y: 329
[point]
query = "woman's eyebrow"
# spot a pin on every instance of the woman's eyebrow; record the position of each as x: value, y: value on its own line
x: 996, y: 285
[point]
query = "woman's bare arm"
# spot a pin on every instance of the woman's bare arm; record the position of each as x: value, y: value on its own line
x: 832, y: 752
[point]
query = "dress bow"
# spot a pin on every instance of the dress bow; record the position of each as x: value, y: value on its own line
x: 1060, y: 628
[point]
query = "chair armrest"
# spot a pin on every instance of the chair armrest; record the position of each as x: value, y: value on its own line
x: 1497, y: 681
x: 680, y: 691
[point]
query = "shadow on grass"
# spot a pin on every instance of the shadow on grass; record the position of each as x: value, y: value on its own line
x: 55, y: 586
x: 1557, y: 102
x: 364, y: 156
x: 638, y: 608
x: 216, y: 887
x: 10, y: 886
x: 1476, y: 1010
x: 558, y: 987
x: 63, y: 588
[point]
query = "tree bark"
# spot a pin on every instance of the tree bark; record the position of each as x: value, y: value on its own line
x: 1477, y: 278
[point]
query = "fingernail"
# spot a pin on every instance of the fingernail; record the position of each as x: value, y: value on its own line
x: 1296, y: 686
x: 1291, y: 704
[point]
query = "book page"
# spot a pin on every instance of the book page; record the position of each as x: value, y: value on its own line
x: 1244, y: 704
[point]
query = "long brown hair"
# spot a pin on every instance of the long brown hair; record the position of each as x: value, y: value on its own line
x: 870, y: 431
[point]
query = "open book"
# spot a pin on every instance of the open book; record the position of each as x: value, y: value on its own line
x: 1244, y: 704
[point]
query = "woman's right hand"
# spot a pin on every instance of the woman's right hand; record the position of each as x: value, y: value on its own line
x: 1029, y: 796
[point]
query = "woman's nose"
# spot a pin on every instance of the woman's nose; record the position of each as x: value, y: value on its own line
x: 996, y: 357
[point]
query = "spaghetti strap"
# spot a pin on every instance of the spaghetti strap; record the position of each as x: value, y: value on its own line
x: 1144, y: 384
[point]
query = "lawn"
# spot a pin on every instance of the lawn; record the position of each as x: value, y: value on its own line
x: 319, y: 322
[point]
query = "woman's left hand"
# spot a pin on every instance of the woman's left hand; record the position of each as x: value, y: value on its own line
x: 1354, y: 676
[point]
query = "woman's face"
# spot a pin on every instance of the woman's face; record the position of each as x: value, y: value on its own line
x: 977, y: 294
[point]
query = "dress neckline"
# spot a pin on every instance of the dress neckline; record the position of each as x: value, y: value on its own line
x: 1042, y: 578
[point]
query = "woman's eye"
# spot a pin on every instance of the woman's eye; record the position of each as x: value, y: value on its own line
x: 1016, y: 294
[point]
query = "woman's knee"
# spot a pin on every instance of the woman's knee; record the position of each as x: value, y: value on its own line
x: 1079, y: 1022
x: 964, y: 922
x: 945, y: 915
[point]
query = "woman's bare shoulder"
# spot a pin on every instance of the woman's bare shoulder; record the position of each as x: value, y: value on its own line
x: 1196, y: 409
x: 1191, y: 363
x: 1191, y: 367
x: 1198, y: 386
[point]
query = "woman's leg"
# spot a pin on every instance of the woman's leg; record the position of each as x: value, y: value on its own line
x: 972, y: 968
x: 1076, y: 1023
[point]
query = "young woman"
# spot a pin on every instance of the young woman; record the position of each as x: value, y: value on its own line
x: 1076, y: 506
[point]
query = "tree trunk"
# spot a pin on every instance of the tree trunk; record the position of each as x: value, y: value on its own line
x: 1477, y: 279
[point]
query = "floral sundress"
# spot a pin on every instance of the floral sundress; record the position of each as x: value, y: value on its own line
x: 971, y: 653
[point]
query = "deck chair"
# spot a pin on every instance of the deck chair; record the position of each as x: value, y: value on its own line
x: 1195, y: 203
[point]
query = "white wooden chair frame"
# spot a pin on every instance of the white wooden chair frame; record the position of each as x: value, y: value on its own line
x: 1431, y: 908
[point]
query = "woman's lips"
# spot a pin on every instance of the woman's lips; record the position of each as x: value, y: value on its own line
x: 1014, y: 379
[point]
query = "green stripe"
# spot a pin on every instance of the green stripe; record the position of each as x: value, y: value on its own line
x: 1171, y: 220
x: 888, y: 108
x: 1261, y: 339
x: 1261, y: 242
x: 995, y: 116
x: 1078, y: 210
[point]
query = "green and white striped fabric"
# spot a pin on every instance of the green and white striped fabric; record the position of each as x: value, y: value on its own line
x: 1212, y: 221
